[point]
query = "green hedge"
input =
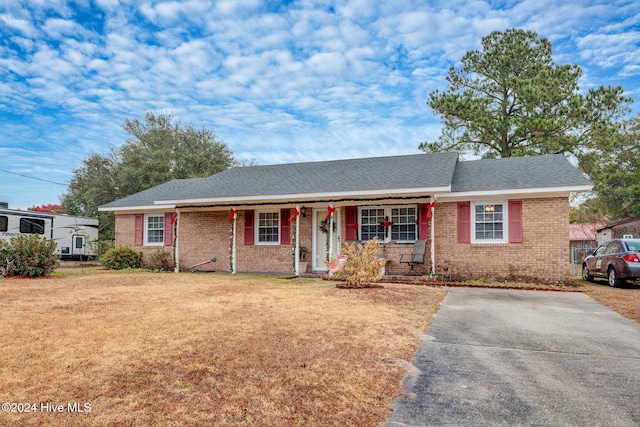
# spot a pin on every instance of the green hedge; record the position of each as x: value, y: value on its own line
x: 120, y: 258
x: 28, y: 256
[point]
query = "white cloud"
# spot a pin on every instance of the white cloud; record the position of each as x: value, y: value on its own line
x: 22, y: 25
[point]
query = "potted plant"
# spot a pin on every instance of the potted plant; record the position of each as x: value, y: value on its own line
x: 303, y: 259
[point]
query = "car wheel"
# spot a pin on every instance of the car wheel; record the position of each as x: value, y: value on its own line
x: 585, y: 273
x: 614, y: 281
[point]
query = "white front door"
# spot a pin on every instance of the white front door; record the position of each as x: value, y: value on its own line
x: 320, y: 238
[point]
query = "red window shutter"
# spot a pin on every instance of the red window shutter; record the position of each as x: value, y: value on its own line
x: 139, y: 230
x: 515, y: 221
x: 168, y: 229
x: 248, y: 227
x: 464, y: 222
x: 285, y: 227
x: 423, y: 224
x: 351, y: 222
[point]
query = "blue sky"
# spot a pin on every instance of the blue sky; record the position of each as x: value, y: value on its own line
x: 277, y: 81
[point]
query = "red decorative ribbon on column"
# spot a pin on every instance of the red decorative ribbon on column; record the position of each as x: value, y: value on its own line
x: 232, y: 215
x: 296, y: 212
x: 174, y: 218
x: 430, y: 210
x: 330, y: 211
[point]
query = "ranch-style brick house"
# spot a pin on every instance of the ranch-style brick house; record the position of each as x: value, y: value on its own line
x: 497, y: 218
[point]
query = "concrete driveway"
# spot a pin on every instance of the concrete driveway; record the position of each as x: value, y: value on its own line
x: 525, y: 358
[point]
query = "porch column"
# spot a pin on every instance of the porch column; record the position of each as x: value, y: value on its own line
x: 330, y: 212
x: 297, y: 248
x: 433, y: 244
x: 234, y: 216
x: 176, y: 269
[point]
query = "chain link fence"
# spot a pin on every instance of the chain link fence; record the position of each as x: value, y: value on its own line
x: 577, y: 256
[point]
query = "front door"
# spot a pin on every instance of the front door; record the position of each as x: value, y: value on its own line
x: 320, y: 238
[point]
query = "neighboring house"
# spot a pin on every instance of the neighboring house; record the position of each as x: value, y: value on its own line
x: 629, y: 228
x: 583, y: 236
x: 498, y: 218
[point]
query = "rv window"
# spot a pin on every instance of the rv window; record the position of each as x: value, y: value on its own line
x: 4, y: 223
x: 31, y: 226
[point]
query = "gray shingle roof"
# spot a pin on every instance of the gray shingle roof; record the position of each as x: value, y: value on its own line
x: 149, y: 196
x: 376, y: 173
x: 352, y: 175
x: 418, y: 171
x: 515, y: 173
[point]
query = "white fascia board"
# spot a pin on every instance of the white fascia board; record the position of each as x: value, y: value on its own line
x: 520, y: 193
x: 152, y: 208
x: 309, y: 196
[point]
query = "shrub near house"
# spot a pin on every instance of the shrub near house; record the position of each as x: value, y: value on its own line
x: 28, y: 256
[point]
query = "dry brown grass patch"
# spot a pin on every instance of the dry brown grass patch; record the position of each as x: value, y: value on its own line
x: 188, y: 349
x: 625, y: 301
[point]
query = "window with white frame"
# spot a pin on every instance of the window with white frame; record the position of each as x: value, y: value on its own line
x: 489, y: 222
x: 404, y: 228
x: 370, y: 220
x: 268, y: 228
x: 154, y: 230
x: 402, y: 223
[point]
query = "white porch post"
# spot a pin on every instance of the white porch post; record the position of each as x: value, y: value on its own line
x: 177, y: 260
x: 433, y: 244
x: 330, y: 232
x: 297, y: 248
x: 233, y: 243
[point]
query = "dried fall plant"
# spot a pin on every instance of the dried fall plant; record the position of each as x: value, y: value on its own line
x: 363, y: 266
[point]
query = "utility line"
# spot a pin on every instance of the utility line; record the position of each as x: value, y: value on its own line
x: 32, y: 177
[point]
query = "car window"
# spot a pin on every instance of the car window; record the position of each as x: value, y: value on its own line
x: 613, y: 248
x: 632, y: 245
x: 600, y: 250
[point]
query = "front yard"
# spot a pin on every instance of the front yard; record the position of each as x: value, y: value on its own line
x: 140, y: 349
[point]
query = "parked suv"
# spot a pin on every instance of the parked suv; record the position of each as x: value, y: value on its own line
x: 617, y: 261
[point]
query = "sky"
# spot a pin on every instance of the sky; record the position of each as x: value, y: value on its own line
x: 277, y: 81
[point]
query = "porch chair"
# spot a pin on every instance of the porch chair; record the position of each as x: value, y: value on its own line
x: 417, y: 257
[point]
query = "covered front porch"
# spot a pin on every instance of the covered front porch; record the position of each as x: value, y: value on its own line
x: 299, y: 238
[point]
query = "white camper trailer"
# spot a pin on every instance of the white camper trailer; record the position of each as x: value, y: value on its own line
x: 72, y: 234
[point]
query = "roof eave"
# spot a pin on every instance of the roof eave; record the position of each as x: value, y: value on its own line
x: 143, y: 208
x: 302, y: 197
x: 527, y: 193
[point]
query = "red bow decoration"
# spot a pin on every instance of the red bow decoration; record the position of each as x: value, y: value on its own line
x: 174, y: 218
x: 232, y: 215
x: 430, y: 209
x: 330, y: 211
x: 296, y: 212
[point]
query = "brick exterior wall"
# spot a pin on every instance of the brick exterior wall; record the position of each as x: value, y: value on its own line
x: 543, y: 254
x: 125, y: 236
